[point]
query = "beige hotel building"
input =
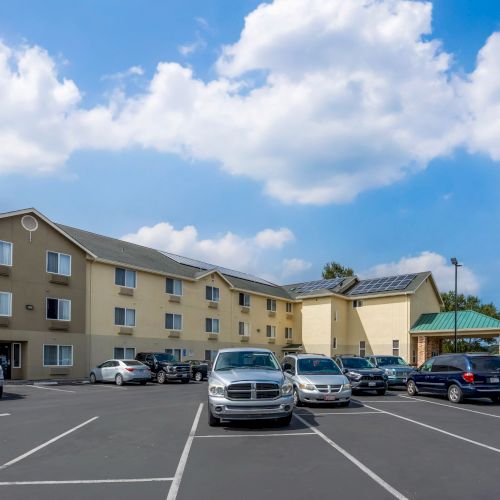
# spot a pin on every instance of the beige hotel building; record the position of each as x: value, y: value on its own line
x: 70, y: 299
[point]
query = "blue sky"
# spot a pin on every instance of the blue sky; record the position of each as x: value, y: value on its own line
x: 275, y: 204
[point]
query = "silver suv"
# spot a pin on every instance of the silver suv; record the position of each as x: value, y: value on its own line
x: 316, y: 379
x: 248, y: 384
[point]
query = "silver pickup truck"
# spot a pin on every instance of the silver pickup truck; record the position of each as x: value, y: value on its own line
x: 248, y: 384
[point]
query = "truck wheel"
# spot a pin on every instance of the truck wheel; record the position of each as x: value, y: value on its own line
x: 212, y: 421
x: 285, y: 420
x: 198, y: 376
x: 455, y: 394
x: 161, y: 376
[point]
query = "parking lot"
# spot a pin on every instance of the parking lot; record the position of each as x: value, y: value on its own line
x: 84, y: 441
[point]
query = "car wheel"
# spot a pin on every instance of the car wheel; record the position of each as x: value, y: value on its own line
x: 161, y: 377
x: 285, y: 420
x: 381, y: 392
x: 143, y: 382
x: 212, y: 421
x: 344, y: 404
x: 296, y: 397
x: 93, y: 379
x: 455, y: 394
x: 411, y: 388
x: 198, y: 376
x: 119, y: 380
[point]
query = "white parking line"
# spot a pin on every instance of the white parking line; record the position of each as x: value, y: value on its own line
x: 48, y: 388
x: 355, y: 461
x: 380, y: 401
x: 257, y: 435
x: 87, y: 481
x: 452, y: 407
x: 337, y: 413
x: 437, y: 429
x: 174, y: 488
x: 50, y: 441
x: 4, y: 414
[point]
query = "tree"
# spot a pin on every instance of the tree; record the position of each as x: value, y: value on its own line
x: 335, y: 270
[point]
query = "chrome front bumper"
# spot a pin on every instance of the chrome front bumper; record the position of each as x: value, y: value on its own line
x: 224, y: 408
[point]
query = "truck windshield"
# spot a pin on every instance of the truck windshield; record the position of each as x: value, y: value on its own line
x: 169, y: 358
x: 317, y: 366
x: 246, y: 360
x: 391, y: 361
x: 356, y: 363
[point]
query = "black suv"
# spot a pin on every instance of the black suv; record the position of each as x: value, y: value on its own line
x: 164, y: 367
x: 362, y: 374
x: 458, y: 376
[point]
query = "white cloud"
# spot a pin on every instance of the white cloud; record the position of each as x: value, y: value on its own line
x: 254, y: 254
x: 132, y: 71
x: 442, y: 270
x: 318, y: 100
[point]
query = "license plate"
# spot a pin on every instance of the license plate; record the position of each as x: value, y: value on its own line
x: 330, y: 398
x: 372, y: 384
x: 494, y: 380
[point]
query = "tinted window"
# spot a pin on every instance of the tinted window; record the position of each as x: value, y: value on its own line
x: 440, y: 364
x: 457, y: 364
x: 485, y: 363
x: 246, y: 359
x: 317, y: 366
x: 165, y: 357
x: 426, y: 367
x: 391, y: 361
x: 356, y: 363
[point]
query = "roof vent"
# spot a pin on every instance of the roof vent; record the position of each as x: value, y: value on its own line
x: 29, y: 223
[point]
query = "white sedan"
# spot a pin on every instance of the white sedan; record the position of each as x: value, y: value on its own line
x: 120, y: 371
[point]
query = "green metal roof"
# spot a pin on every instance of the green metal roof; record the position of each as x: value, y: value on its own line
x: 445, y: 321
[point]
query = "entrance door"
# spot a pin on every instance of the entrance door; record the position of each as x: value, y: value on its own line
x: 5, y: 359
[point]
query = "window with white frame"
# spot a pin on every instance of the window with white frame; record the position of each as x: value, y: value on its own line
x: 57, y: 355
x: 244, y: 299
x: 244, y: 328
x: 334, y: 343
x: 125, y: 277
x: 5, y: 253
x: 362, y: 348
x: 271, y: 305
x: 124, y: 316
x: 211, y: 325
x: 289, y: 307
x: 59, y: 309
x: 59, y: 263
x: 357, y: 303
x: 210, y: 354
x: 173, y: 321
x: 5, y: 304
x: 395, y: 347
x: 288, y: 333
x: 173, y: 286
x: 124, y: 353
x: 212, y: 293
x: 16, y: 355
x: 270, y: 331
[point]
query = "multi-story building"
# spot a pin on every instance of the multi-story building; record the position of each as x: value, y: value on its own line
x: 70, y: 299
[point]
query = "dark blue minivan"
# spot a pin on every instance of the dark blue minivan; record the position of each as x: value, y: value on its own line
x: 458, y: 376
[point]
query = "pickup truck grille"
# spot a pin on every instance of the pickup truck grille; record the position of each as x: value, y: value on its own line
x: 182, y: 368
x: 258, y: 390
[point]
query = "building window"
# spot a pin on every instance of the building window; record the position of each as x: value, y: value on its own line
x: 270, y: 332
x: 59, y: 263
x: 59, y: 309
x: 124, y: 353
x: 57, y: 355
x: 5, y: 253
x: 173, y: 321
x: 212, y: 293
x: 271, y: 305
x: 5, y: 304
x: 288, y: 333
x: 289, y: 307
x: 357, y: 303
x: 210, y: 354
x: 124, y: 316
x: 125, y: 277
x: 211, y: 325
x: 244, y: 328
x: 244, y: 300
x: 395, y: 347
x: 362, y: 348
x: 174, y: 287
x: 16, y: 355
x: 334, y: 343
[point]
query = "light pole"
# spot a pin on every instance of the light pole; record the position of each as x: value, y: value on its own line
x: 454, y: 261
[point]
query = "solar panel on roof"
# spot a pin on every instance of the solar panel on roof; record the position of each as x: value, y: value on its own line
x: 311, y: 286
x: 387, y: 284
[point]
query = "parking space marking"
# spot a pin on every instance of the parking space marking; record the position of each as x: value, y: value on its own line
x: 276, y: 434
x: 338, y: 413
x: 87, y: 481
x: 4, y: 414
x: 174, y: 488
x: 437, y: 429
x: 393, y: 491
x: 452, y: 407
x: 380, y: 401
x: 47, y: 443
x: 48, y: 388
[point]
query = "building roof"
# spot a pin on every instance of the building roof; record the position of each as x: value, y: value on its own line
x: 445, y: 322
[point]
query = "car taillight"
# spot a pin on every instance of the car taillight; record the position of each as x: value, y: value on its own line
x: 468, y: 377
x: 130, y: 369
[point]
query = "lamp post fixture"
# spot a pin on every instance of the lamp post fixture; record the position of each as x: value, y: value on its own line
x: 454, y: 261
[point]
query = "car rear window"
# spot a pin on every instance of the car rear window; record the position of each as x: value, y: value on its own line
x: 132, y: 362
x: 485, y: 363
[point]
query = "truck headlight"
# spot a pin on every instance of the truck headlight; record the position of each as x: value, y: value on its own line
x: 216, y: 390
x: 286, y: 389
x: 388, y: 371
x: 308, y: 387
x: 170, y: 369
